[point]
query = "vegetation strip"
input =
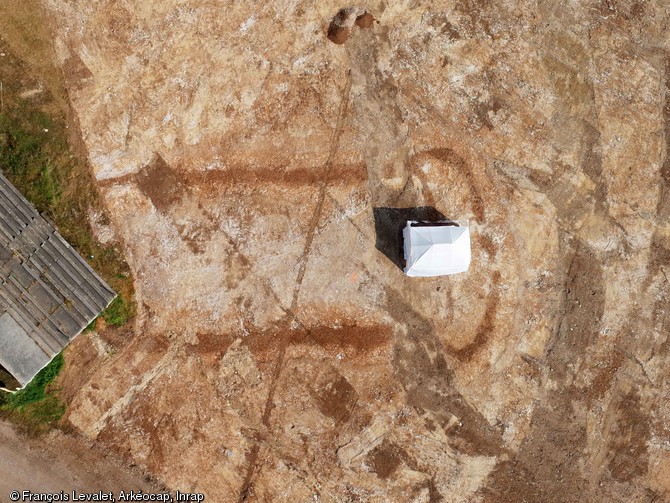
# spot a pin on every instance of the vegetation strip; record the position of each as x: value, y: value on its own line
x: 39, y: 155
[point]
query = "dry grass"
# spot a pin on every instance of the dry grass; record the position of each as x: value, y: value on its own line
x: 26, y: 30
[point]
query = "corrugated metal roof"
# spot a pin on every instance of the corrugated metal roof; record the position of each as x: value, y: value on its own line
x: 48, y: 293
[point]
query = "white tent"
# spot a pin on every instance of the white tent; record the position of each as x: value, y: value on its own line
x: 436, y: 249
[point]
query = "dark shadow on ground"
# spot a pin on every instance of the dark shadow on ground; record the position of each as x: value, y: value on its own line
x: 389, y: 223
x: 7, y: 380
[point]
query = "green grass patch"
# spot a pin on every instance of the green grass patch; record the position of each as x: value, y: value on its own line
x: 36, y: 406
x: 91, y: 326
x: 35, y: 391
x: 24, y: 161
x: 118, y: 312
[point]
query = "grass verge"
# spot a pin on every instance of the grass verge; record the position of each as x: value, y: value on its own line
x: 43, y: 157
x: 36, y: 407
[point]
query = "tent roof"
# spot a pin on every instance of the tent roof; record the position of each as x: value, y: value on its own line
x: 436, y: 250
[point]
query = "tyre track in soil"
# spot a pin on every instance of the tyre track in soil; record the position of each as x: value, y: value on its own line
x: 252, y: 458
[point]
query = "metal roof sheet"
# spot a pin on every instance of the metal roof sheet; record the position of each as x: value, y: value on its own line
x: 48, y: 293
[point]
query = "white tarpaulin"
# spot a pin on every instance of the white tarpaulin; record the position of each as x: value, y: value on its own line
x: 435, y: 250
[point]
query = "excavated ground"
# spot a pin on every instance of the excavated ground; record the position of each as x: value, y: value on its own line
x: 250, y: 168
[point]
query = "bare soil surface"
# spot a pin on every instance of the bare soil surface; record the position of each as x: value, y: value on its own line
x: 61, y: 462
x: 278, y: 353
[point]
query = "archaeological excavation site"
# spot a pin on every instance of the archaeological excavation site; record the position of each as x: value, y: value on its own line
x: 387, y: 252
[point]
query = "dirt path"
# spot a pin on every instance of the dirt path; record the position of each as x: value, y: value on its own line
x: 58, y: 462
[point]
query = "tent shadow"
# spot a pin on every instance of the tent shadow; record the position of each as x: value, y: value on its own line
x: 389, y: 223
